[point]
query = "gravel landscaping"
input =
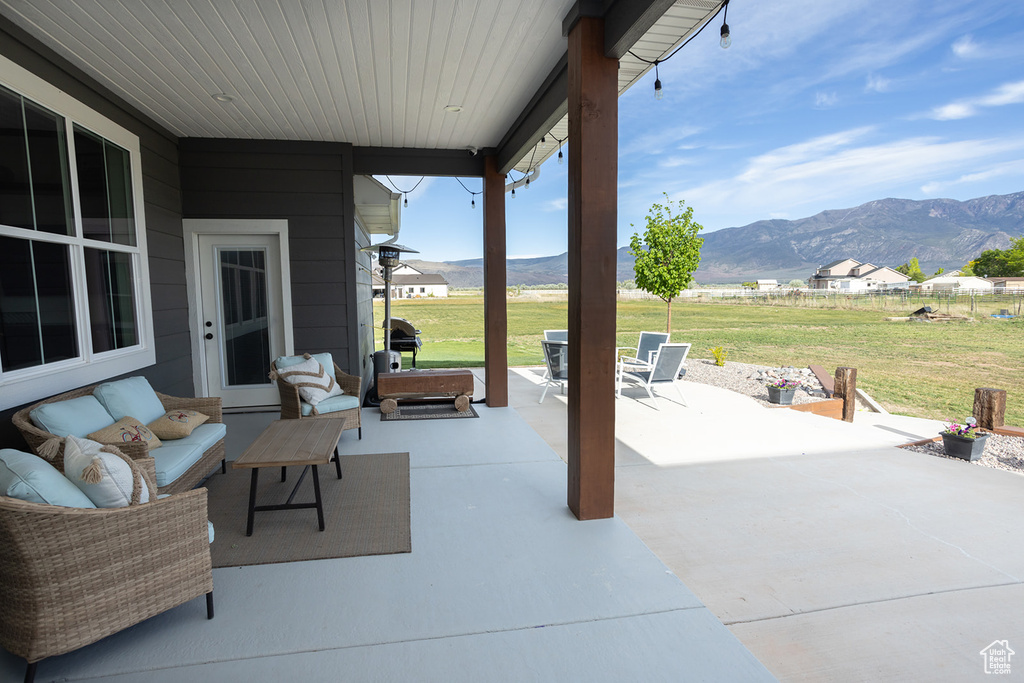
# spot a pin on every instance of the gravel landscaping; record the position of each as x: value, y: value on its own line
x: 747, y: 379
x: 1001, y: 453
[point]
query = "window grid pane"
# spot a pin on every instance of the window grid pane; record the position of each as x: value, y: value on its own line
x: 37, y: 314
x: 108, y: 276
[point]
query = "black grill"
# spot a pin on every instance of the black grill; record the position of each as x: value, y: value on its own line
x: 404, y: 337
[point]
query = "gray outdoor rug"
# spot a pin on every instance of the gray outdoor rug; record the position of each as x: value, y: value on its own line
x: 427, y: 411
x: 365, y: 513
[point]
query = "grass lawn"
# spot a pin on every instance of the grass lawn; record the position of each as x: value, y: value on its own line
x: 920, y: 369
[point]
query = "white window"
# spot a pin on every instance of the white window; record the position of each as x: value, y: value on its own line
x: 74, y: 279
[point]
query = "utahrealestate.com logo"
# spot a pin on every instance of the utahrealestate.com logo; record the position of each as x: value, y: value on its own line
x: 997, y: 657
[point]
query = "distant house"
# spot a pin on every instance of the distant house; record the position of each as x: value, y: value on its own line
x: 945, y: 283
x: 409, y: 283
x: 1007, y: 284
x: 849, y: 275
x: 766, y: 284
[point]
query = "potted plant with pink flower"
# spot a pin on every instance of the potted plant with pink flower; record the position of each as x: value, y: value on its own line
x: 781, y: 391
x: 963, y: 441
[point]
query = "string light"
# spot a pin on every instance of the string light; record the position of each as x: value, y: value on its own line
x: 472, y: 200
x: 725, y: 42
x: 405, y: 193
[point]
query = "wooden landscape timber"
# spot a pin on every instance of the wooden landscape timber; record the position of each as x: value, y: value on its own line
x: 416, y: 384
x: 846, y: 388
x: 831, y: 407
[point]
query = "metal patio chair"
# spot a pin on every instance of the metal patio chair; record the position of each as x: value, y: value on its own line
x: 645, y: 348
x: 556, y: 357
x: 554, y: 335
x: 665, y: 367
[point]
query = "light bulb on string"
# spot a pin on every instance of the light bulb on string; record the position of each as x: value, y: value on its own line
x: 513, y: 192
x: 560, y: 158
x: 726, y: 40
x: 527, y: 183
x: 472, y: 202
x: 406, y: 202
x: 658, y: 92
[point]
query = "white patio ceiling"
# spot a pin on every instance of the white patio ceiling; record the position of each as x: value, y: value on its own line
x: 370, y: 72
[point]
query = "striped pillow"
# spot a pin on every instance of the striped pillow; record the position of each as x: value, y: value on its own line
x: 312, y: 380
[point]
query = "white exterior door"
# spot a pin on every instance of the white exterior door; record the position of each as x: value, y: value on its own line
x: 241, y: 306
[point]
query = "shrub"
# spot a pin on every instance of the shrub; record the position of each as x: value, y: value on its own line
x: 720, y: 355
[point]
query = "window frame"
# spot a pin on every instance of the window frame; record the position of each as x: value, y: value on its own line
x: 25, y: 385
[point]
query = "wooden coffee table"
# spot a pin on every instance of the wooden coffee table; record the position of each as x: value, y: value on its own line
x: 289, y: 443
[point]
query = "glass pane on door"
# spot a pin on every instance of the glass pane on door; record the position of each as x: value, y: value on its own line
x: 245, y: 331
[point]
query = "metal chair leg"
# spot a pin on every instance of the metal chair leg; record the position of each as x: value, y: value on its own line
x: 681, y: 397
x: 545, y: 392
x: 209, y: 605
x: 30, y: 672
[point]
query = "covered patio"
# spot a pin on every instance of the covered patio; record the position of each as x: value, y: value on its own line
x: 502, y: 584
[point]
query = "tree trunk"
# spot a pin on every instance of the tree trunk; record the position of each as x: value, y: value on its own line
x: 668, y: 325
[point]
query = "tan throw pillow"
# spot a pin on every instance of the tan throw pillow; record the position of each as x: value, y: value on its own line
x: 314, y: 383
x: 177, y: 424
x: 127, y: 430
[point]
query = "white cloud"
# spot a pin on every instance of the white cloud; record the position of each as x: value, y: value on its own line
x: 1007, y: 93
x: 820, y: 172
x: 999, y: 170
x: 965, y: 47
x: 659, y: 141
x: 559, y: 204
x: 877, y: 83
x: 823, y: 100
x: 956, y: 110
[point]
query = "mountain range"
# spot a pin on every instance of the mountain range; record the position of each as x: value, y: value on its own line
x: 940, y: 233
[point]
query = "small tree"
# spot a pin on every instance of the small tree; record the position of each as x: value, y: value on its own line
x: 668, y: 254
x: 912, y: 269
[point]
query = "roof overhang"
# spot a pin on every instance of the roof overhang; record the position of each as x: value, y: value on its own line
x: 377, y: 208
x: 379, y: 75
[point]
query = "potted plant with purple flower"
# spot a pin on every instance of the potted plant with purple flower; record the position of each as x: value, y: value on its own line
x: 781, y: 391
x: 963, y: 441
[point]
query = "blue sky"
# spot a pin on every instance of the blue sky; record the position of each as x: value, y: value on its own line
x: 815, y: 106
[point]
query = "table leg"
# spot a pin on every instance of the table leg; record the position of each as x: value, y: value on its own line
x: 337, y: 461
x: 319, y: 502
x: 252, y: 500
x: 284, y: 473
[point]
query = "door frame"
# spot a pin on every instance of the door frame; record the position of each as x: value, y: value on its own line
x: 192, y: 228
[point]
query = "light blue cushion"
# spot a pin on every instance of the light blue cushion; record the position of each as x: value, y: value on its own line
x: 204, y: 436
x: 174, y: 457
x: 331, y: 405
x: 27, y: 477
x: 173, y: 460
x: 79, y: 416
x: 323, y: 359
x: 132, y: 396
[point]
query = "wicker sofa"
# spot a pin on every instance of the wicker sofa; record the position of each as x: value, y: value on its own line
x: 49, y: 446
x: 72, y: 576
x: 294, y: 408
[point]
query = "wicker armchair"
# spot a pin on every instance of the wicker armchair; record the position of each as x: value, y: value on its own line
x: 71, y: 576
x: 36, y: 437
x: 291, y: 403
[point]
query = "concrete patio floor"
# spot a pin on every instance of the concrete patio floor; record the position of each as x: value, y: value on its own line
x: 831, y: 554
x: 502, y: 584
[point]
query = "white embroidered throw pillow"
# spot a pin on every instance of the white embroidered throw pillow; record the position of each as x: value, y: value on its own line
x: 108, y: 477
x: 312, y: 380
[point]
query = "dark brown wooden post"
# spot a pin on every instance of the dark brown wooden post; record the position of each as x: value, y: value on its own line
x: 593, y: 174
x: 989, y: 407
x: 495, y: 297
x: 846, y: 388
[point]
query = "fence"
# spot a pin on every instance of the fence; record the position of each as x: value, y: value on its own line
x: 887, y: 300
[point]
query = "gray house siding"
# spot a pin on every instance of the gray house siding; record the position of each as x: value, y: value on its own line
x: 364, y: 305
x: 310, y: 185
x: 161, y: 188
